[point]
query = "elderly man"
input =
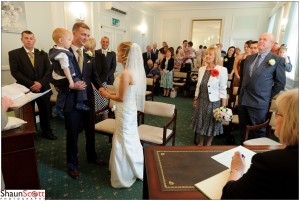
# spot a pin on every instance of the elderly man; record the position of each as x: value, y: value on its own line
x: 155, y: 50
x: 148, y: 55
x: 264, y: 77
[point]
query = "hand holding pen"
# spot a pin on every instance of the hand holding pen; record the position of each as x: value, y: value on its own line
x: 238, y: 163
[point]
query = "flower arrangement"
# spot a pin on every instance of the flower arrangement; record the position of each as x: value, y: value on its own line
x: 272, y: 62
x: 41, y: 51
x: 214, y: 72
x: 223, y: 114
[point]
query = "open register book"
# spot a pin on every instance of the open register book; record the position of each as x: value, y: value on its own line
x: 20, y: 94
x: 213, y: 186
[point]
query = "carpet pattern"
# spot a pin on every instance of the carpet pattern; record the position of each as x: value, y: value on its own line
x: 94, y: 181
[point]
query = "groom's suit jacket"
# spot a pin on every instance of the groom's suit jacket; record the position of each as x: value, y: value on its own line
x: 89, y: 75
x: 266, y: 81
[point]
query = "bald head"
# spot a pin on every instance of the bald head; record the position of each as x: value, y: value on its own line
x: 265, y: 43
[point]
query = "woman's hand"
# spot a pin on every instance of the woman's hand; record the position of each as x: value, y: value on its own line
x: 238, y: 162
x: 195, y: 103
x: 104, y: 92
x: 6, y: 103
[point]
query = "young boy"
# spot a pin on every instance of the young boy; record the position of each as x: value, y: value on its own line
x: 63, y: 70
x: 282, y: 52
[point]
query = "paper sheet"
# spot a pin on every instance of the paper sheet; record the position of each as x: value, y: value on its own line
x: 226, y: 156
x: 26, y: 99
x: 213, y: 186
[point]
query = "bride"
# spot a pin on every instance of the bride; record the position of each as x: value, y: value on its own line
x: 126, y: 158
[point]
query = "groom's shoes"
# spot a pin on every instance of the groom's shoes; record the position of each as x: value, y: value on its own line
x: 74, y: 173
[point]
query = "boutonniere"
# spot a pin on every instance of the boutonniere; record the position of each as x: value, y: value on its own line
x: 89, y: 53
x: 272, y: 62
x: 41, y: 51
x: 214, y: 72
x: 89, y: 61
x: 225, y: 59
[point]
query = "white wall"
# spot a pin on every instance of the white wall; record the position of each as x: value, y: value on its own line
x: 238, y: 24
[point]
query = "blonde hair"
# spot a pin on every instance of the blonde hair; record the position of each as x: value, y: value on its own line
x: 124, y: 48
x: 59, y: 33
x: 288, y: 102
x: 217, y: 53
x: 90, y: 44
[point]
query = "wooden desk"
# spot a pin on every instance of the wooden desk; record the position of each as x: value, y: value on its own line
x: 152, y: 188
x: 19, y: 165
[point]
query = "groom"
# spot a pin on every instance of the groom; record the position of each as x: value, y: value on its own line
x: 76, y: 120
x: 263, y: 78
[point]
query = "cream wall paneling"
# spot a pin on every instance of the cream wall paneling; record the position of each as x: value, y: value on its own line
x: 170, y: 31
x: 245, y: 23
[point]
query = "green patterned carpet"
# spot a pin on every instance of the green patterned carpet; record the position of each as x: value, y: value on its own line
x: 94, y: 181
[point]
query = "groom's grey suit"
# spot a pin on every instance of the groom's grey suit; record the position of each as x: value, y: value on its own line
x: 258, y: 90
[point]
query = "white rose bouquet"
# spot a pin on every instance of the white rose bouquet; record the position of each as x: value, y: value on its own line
x: 223, y: 114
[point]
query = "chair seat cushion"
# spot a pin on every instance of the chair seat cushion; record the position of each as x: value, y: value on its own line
x: 152, y: 134
x: 148, y: 93
x: 261, y: 141
x: 106, y: 126
x: 178, y: 84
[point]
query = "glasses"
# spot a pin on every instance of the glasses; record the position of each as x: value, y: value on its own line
x: 277, y: 114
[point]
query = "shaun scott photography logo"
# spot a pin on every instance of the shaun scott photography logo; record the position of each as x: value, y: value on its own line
x: 22, y: 195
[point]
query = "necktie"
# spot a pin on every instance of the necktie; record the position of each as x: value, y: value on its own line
x: 104, y: 52
x: 148, y: 57
x: 80, y: 59
x: 255, y: 66
x: 31, y: 57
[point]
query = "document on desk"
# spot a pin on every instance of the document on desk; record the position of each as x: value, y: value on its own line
x: 226, y: 156
x: 213, y: 186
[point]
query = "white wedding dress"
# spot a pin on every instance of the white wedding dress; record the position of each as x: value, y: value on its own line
x: 126, y: 159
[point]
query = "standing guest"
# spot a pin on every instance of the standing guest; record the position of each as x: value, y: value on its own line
x: 273, y: 174
x: 148, y: 55
x: 282, y: 52
x: 126, y: 159
x: 237, y: 63
x: 223, y: 52
x: 178, y: 58
x: 63, y: 69
x: 78, y: 120
x: 203, y: 56
x: 210, y: 94
x: 198, y: 56
x: 229, y: 59
x: 110, y: 59
x: 31, y: 68
x: 167, y: 66
x: 275, y: 48
x: 155, y: 51
x: 253, y: 50
x: 189, y: 57
x: 102, y: 70
x: 264, y: 77
x: 164, y: 44
x: 237, y: 51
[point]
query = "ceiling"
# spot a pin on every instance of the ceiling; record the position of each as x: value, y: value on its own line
x: 192, y: 5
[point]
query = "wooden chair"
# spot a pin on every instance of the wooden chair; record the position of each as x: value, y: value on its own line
x: 158, y: 135
x: 107, y: 126
x: 180, y: 81
x: 150, y: 89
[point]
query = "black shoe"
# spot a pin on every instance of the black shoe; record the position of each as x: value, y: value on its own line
x: 49, y: 136
x: 82, y: 107
x: 97, y: 162
x: 74, y: 173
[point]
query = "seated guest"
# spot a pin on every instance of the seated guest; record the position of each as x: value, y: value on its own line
x: 272, y: 174
x: 282, y: 52
x: 148, y: 66
x: 155, y: 74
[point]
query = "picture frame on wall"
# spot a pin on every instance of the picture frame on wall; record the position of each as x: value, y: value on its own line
x: 13, y: 17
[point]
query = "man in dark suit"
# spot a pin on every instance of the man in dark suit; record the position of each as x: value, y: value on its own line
x: 155, y: 51
x: 264, y: 77
x: 111, y: 59
x: 148, y: 55
x: 76, y: 120
x: 101, y: 66
x: 31, y: 67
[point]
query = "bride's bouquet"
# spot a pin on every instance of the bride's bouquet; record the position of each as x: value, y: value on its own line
x: 223, y: 114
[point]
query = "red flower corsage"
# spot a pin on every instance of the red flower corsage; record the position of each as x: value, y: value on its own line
x: 214, y: 72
